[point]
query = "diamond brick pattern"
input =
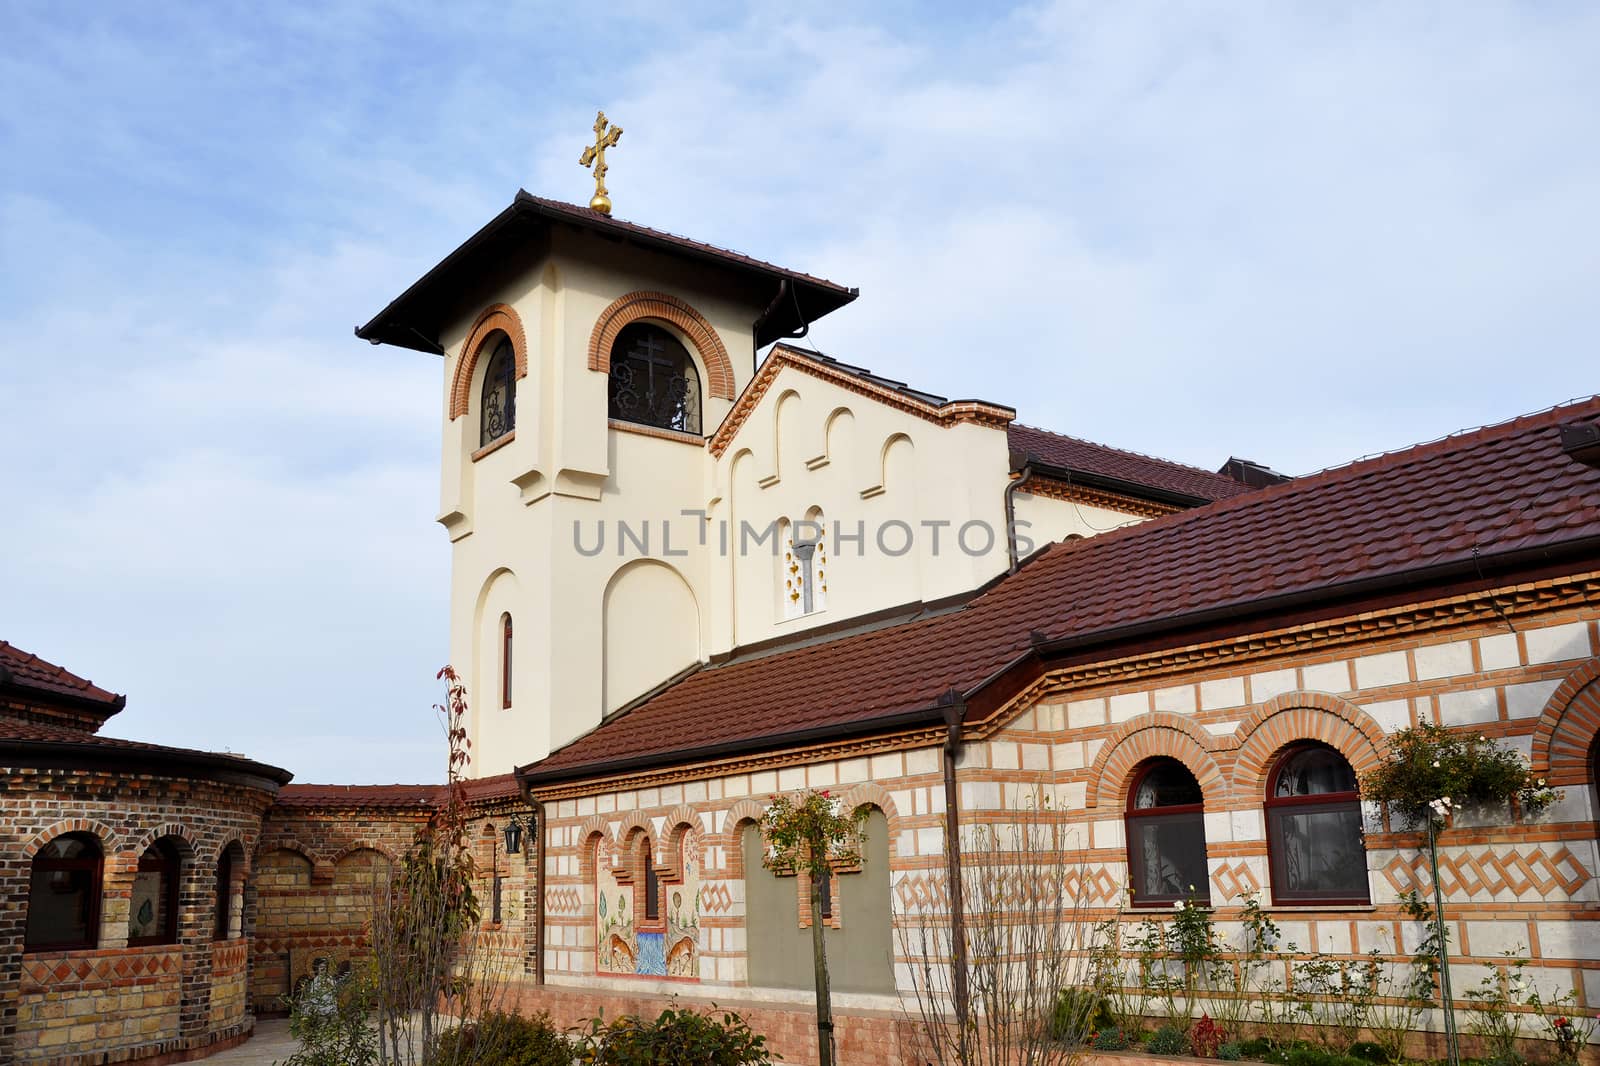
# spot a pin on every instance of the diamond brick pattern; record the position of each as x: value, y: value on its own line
x: 715, y: 898
x: 1529, y: 874
x: 1094, y: 885
x: 92, y: 970
x: 1230, y: 881
x: 922, y: 891
x: 563, y: 901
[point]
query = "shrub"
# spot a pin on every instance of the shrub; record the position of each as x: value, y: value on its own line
x: 1205, y: 1037
x: 1168, y: 1040
x: 1232, y: 1051
x: 1079, y: 1012
x: 1112, y: 1039
x: 1367, y: 1051
x: 675, y: 1038
x: 499, y: 1039
x: 329, y: 1015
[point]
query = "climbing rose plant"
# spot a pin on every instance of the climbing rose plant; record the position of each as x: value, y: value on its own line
x: 1432, y: 770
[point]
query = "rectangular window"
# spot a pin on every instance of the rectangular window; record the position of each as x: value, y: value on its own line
x: 1317, y: 853
x: 505, y: 662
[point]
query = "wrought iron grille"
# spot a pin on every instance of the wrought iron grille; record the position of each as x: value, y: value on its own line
x: 654, y: 381
x: 499, y: 409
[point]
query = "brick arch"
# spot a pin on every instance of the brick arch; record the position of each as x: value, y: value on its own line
x: 746, y: 810
x: 495, y: 317
x: 1146, y: 737
x: 228, y: 841
x: 680, y: 820
x: 1296, y: 716
x: 364, y: 845
x: 1567, y: 727
x: 625, y: 310
x: 870, y: 794
x: 290, y: 844
x: 161, y: 832
x: 593, y: 828
x: 623, y: 840
x: 108, y: 838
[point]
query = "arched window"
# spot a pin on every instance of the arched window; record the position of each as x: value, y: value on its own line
x: 652, y: 884
x: 1314, y: 828
x: 805, y: 566
x: 153, y: 908
x: 222, y: 924
x: 64, y: 895
x: 654, y: 381
x: 498, y: 412
x: 505, y: 660
x: 1166, y: 835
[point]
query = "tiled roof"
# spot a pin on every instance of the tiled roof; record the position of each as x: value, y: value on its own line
x: 501, y: 786
x: 1450, y: 506
x: 25, y: 671
x: 416, y: 318
x: 1087, y: 457
x: 21, y: 736
x: 358, y: 795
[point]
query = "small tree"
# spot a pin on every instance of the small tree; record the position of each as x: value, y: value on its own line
x: 1432, y: 771
x: 1036, y: 969
x: 811, y: 832
x: 426, y: 947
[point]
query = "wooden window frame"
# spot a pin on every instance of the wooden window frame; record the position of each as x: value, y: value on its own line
x: 1134, y: 817
x: 1273, y: 808
x: 169, y: 864
x: 506, y: 649
x: 96, y: 867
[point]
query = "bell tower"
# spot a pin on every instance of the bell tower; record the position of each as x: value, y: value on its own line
x: 586, y: 362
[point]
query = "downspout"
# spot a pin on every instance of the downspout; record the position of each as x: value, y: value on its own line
x: 1011, y: 516
x: 538, y: 897
x: 954, y: 709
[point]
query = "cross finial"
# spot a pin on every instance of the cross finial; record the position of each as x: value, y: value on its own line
x: 596, y: 154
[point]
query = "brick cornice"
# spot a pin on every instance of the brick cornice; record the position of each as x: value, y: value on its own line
x: 1502, y: 605
x: 949, y: 414
x: 501, y: 317
x: 635, y: 306
x: 1110, y: 501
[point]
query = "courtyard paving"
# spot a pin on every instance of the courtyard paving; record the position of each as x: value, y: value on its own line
x: 271, y: 1043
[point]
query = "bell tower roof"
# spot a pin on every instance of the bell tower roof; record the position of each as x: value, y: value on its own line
x: 415, y: 318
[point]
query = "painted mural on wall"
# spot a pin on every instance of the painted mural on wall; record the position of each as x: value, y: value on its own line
x: 627, y: 939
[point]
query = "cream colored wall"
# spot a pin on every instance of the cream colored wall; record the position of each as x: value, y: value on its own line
x: 511, y: 513
x: 810, y: 443
x: 1048, y: 519
x: 593, y: 628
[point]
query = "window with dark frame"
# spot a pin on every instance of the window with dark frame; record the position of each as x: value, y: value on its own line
x: 654, y: 380
x: 652, y: 885
x: 825, y: 896
x: 1315, y: 845
x: 221, y: 924
x: 153, y: 907
x: 64, y: 895
x: 497, y: 413
x: 505, y: 661
x: 1166, y: 835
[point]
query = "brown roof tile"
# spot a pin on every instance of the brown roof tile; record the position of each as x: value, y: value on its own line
x: 1070, y: 453
x: 1459, y: 502
x: 23, y: 670
x: 32, y: 739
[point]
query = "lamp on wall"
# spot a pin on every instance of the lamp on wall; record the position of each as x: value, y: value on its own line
x: 514, y: 830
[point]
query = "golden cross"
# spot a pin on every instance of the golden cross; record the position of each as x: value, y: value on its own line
x: 596, y: 154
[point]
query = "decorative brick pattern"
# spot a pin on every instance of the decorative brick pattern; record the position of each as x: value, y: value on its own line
x: 1230, y: 881
x: 636, y: 306
x: 501, y: 317
x: 1528, y: 875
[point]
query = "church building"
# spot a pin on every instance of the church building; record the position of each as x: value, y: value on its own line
x: 697, y: 563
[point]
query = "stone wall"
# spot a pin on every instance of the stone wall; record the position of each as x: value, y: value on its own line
x: 116, y: 1002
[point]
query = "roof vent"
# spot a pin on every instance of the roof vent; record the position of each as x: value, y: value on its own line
x: 1581, y: 440
x: 1248, y: 472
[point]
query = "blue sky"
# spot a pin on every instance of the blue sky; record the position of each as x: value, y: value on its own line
x: 1299, y: 233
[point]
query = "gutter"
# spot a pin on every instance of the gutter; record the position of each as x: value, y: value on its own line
x: 954, y: 711
x: 530, y: 778
x: 1011, y: 514
x: 1116, y: 484
x: 67, y: 755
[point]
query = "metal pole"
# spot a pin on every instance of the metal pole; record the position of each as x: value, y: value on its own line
x: 1452, y: 1051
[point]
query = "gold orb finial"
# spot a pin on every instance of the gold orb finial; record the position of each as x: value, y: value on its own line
x: 605, y: 136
